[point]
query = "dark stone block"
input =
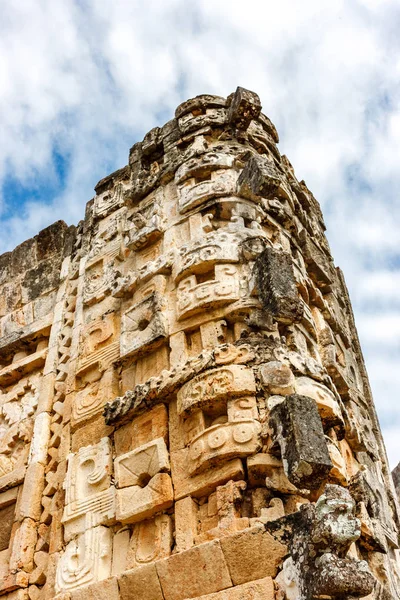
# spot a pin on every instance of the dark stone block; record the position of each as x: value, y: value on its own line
x: 23, y: 257
x: 245, y: 106
x: 277, y: 287
x: 297, y: 428
x: 5, y: 267
x: 50, y: 241
x: 319, y: 267
x: 41, y: 279
x: 259, y: 178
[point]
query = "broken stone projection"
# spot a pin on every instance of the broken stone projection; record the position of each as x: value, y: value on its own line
x: 185, y: 410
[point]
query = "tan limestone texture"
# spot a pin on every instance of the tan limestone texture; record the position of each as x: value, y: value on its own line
x: 184, y: 406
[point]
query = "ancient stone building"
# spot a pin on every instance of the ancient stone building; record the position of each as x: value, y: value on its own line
x: 185, y: 411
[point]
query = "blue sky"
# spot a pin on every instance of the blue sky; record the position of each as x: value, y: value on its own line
x: 81, y: 81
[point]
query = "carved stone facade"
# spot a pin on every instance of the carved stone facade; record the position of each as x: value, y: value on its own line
x: 184, y: 406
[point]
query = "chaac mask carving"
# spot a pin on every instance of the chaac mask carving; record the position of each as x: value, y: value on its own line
x: 319, y: 537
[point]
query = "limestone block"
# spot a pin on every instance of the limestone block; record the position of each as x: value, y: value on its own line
x: 275, y: 510
x: 259, y: 178
x: 140, y: 584
x: 30, y: 501
x: 21, y: 402
x: 13, y: 478
x: 277, y: 287
x: 199, y: 104
x: 223, y: 442
x: 243, y: 552
x: 212, y: 116
x: 319, y: 265
x: 120, y: 550
x: 15, y: 581
x: 91, y: 433
x: 193, y: 296
x: 262, y: 589
x: 23, y: 546
x: 265, y: 469
x: 328, y: 406
x: 99, y: 345
x: 105, y: 590
x: 298, y: 429
x: 203, y: 569
x: 151, y: 425
x: 242, y: 409
x: 185, y: 523
x: 136, y: 503
x: 151, y: 540
x: 89, y: 499
x: 18, y: 595
x: 107, y: 199
x: 203, y: 483
x: 244, y: 107
x: 86, y: 560
x: 198, y: 166
x: 146, y: 224
x: 38, y: 575
x: 40, y: 439
x: 200, y: 254
x: 98, y: 277
x: 338, y: 473
x: 215, y: 385
x: 196, y: 191
x: 46, y: 396
x: 137, y: 467
x: 90, y: 400
x: 277, y: 378
x: 143, y: 326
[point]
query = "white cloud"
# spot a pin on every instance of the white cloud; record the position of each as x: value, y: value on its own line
x: 88, y: 78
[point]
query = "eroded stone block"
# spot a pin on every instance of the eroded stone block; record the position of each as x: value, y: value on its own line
x: 89, y: 499
x: 244, y: 107
x: 151, y: 540
x: 135, y: 503
x: 205, y: 572
x: 241, y: 549
x: 140, y: 465
x: 277, y: 287
x: 86, y: 560
x: 298, y: 430
x: 193, y: 296
x: 216, y: 385
x: 223, y: 442
x: 143, y: 326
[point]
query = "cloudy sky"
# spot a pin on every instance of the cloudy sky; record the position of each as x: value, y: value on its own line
x: 82, y: 80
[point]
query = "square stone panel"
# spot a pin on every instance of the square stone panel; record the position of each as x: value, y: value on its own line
x: 143, y: 326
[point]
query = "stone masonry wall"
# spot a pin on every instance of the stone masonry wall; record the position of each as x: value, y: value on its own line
x: 184, y: 406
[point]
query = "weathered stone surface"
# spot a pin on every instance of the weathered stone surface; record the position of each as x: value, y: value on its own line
x: 298, y: 430
x: 135, y: 503
x: 396, y: 479
x: 262, y: 589
x: 259, y: 178
x: 141, y: 584
x: 276, y: 285
x: 241, y: 549
x: 105, y: 590
x: 183, y: 399
x: 205, y: 571
x: 244, y: 107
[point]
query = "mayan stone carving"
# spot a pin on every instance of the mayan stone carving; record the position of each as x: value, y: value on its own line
x: 184, y: 406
